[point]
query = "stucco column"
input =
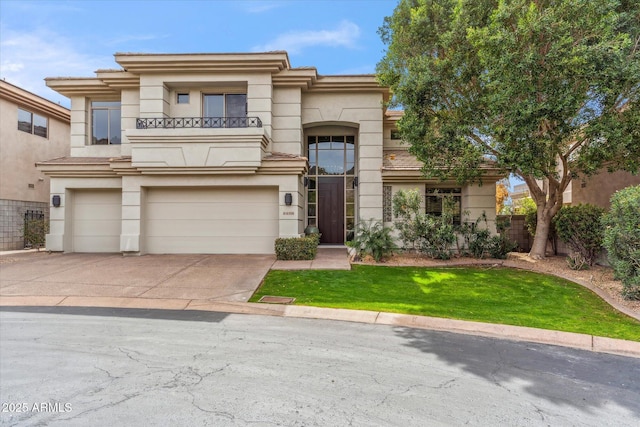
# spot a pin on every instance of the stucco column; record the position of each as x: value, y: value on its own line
x: 132, y: 195
x: 154, y: 97
x: 54, y: 240
x: 291, y: 217
x: 259, y: 99
x: 477, y: 199
x: 370, y: 170
x: 130, y: 110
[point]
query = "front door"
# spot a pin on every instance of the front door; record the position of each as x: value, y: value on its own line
x: 331, y: 187
x: 331, y: 209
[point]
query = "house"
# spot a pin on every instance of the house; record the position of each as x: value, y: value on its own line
x: 32, y: 129
x: 223, y: 153
x: 598, y: 189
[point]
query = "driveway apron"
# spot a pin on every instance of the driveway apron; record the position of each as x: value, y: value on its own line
x: 232, y: 278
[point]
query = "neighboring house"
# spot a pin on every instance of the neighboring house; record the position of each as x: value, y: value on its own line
x: 32, y: 129
x: 223, y: 153
x: 598, y: 189
x: 594, y: 190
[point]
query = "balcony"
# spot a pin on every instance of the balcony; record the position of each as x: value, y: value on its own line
x: 205, y: 144
x: 198, y: 122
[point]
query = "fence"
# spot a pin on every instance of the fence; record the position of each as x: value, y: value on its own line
x: 517, y: 231
x: 33, y: 227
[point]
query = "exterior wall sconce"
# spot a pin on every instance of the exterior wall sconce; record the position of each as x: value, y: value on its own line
x: 55, y: 201
x: 288, y: 199
x: 355, y: 182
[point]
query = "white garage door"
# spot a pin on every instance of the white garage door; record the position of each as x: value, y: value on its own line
x: 220, y: 220
x: 96, y: 220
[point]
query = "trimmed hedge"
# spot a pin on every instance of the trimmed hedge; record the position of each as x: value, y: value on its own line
x: 297, y: 248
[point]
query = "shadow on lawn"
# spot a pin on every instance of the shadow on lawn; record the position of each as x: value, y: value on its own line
x: 564, y: 376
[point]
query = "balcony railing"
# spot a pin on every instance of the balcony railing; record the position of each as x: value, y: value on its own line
x: 198, y: 122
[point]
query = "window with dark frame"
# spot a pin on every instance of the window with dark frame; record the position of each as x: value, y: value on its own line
x: 183, y: 98
x: 225, y: 110
x: 434, y: 202
x: 332, y: 156
x: 33, y: 123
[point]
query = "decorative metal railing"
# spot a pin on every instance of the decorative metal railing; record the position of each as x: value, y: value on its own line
x: 198, y: 122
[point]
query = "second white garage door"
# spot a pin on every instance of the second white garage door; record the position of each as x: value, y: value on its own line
x: 219, y: 220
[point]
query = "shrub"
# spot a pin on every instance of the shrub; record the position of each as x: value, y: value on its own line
x: 476, y: 238
x: 407, y: 208
x: 439, y: 236
x: 530, y: 212
x: 297, y: 248
x: 34, y: 231
x: 622, y: 239
x: 372, y: 238
x: 499, y: 246
x: 580, y: 227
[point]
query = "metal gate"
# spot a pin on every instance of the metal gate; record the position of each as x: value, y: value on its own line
x: 34, y: 228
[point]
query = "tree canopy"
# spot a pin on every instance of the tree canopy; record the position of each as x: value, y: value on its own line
x: 546, y: 89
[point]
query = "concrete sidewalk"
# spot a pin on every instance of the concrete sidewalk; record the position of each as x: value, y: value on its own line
x: 188, y: 282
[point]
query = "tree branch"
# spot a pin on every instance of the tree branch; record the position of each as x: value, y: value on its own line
x: 479, y: 140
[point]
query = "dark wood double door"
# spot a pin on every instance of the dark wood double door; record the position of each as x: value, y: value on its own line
x: 331, y: 209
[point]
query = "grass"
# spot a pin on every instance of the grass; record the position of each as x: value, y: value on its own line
x: 484, y: 294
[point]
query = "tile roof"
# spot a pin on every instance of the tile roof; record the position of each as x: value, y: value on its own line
x: 283, y: 156
x: 84, y: 160
x: 399, y: 160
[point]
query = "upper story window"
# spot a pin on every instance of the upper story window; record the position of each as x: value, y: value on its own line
x: 32, y: 123
x: 105, y: 123
x: 230, y: 106
x: 182, y: 98
x: 437, y: 205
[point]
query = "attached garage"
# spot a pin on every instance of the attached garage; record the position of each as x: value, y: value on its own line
x: 97, y: 219
x: 210, y: 220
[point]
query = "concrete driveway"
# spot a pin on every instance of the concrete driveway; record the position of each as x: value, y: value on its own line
x: 178, y: 279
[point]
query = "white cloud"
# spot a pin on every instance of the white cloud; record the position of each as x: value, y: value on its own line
x: 28, y: 57
x: 345, y: 35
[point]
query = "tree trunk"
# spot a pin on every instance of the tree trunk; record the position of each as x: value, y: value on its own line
x: 539, y: 247
x: 547, y: 208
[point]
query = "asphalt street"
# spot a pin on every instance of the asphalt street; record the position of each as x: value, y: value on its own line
x: 121, y: 367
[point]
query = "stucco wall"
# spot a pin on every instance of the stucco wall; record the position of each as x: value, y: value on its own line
x: 287, y: 121
x: 598, y: 189
x: 20, y: 152
x: 22, y: 186
x: 363, y: 110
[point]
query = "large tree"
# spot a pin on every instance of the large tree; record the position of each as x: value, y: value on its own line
x: 546, y: 89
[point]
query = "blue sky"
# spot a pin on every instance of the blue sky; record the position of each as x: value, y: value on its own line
x: 43, y: 38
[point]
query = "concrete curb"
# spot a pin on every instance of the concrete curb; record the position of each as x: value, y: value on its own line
x: 515, y: 333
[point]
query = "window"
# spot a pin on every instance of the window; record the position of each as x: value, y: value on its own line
x: 395, y: 134
x: 183, y: 98
x: 225, y: 110
x: 105, y: 123
x: 436, y: 204
x: 329, y: 157
x: 32, y: 123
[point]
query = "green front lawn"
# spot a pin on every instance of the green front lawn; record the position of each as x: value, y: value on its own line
x: 485, y: 294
